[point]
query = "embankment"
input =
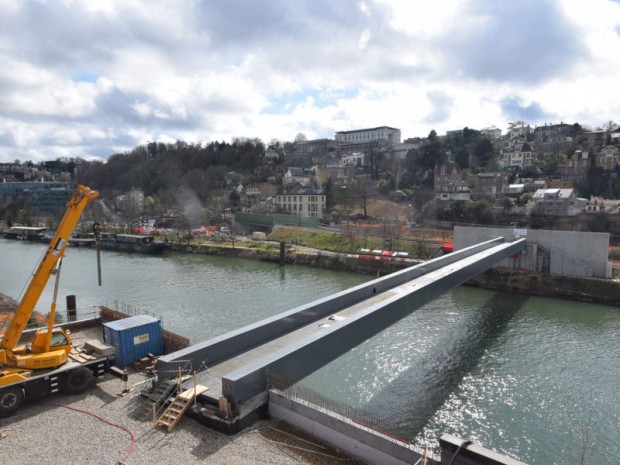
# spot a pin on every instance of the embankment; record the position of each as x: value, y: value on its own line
x: 293, y: 256
x: 599, y: 291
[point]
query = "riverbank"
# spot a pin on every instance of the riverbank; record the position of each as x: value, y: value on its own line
x: 598, y: 291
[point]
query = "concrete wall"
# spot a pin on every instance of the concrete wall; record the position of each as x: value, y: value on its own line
x: 471, y: 454
x: 226, y: 346
x: 571, y: 253
x: 357, y: 441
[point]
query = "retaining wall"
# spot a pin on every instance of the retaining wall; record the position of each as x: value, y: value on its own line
x: 357, y: 441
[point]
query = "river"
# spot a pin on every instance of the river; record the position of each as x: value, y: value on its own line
x: 535, y: 378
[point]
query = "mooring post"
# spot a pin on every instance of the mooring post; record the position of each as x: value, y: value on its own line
x: 282, y: 253
x: 71, y: 308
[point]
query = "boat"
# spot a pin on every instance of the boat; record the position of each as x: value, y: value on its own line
x: 25, y: 233
x: 133, y: 243
x: 81, y: 240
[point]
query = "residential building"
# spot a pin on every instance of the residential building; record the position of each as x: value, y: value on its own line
x: 601, y: 205
x: 459, y: 191
x: 593, y: 140
x: 553, y: 133
x: 341, y: 174
x: 574, y: 166
x: 607, y: 158
x: 491, y: 133
x: 449, y: 184
x: 354, y: 159
x: 561, y: 202
x: 446, y: 175
x: 305, y: 201
x: 518, y: 155
x: 489, y: 185
x: 271, y: 155
x: 255, y: 197
x: 519, y: 130
x: 296, y: 175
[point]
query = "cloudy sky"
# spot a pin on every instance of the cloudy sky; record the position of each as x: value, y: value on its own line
x: 92, y: 78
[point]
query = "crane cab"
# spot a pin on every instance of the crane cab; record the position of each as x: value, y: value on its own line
x: 39, y: 355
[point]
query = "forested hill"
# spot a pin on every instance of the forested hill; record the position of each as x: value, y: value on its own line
x: 161, y: 169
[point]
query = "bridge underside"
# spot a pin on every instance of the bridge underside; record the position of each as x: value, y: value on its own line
x: 296, y: 343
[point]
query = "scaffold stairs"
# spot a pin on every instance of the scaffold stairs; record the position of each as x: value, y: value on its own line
x: 179, y: 406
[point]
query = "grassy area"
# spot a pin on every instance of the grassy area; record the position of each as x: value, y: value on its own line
x: 350, y: 242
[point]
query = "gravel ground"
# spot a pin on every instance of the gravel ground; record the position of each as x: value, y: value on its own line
x: 46, y: 432
x: 51, y: 431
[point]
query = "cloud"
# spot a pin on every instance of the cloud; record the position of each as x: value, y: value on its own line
x: 520, y: 42
x: 89, y: 79
x: 516, y: 110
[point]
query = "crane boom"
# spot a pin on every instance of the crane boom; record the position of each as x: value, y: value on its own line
x: 54, y: 253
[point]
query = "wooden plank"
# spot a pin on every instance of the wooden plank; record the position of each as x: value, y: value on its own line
x: 189, y: 394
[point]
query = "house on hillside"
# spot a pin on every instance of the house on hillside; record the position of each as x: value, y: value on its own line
x: 489, y: 185
x: 449, y: 184
x: 255, y: 196
x: 601, y: 205
x: 341, y: 174
x: 296, y: 175
x: 574, y: 166
x: 607, y: 158
x: 560, y: 202
x: 305, y: 201
x: 553, y: 133
x: 520, y: 154
x: 518, y: 130
x: 491, y: 133
x: 593, y: 140
x: 354, y: 159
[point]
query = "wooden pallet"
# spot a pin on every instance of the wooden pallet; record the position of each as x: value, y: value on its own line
x: 179, y: 405
x: 79, y: 355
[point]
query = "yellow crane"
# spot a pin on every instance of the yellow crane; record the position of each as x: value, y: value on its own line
x: 50, y: 346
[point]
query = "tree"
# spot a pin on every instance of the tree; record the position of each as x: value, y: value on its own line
x: 461, y: 158
x: 482, y: 211
x: 483, y: 151
x: 300, y: 137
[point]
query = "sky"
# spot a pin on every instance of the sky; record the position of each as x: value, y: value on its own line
x: 93, y: 78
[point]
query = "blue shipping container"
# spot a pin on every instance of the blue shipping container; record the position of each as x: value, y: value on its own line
x: 133, y: 338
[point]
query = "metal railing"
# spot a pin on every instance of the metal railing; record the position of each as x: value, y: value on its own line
x: 357, y: 416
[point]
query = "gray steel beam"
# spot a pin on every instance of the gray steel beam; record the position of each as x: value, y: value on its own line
x: 304, y: 356
x: 233, y: 343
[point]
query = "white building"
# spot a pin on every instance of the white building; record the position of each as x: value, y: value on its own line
x: 492, y: 133
x: 354, y: 159
x: 389, y: 135
x: 562, y: 202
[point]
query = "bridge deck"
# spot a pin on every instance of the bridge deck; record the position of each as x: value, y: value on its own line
x: 213, y: 377
x: 292, y: 354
